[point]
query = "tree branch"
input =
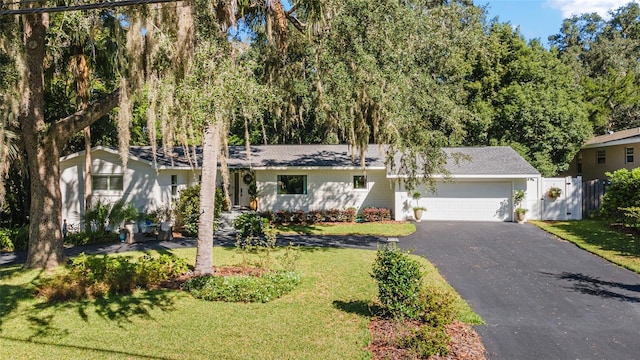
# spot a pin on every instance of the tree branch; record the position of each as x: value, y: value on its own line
x: 299, y: 25
x: 71, y: 124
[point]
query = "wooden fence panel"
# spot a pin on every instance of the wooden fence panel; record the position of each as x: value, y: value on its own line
x: 592, y: 192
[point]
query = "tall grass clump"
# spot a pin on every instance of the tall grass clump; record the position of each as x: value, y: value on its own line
x: 89, y: 277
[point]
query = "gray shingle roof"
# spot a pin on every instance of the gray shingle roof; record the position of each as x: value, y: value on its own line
x: 490, y: 160
x: 494, y: 160
x: 618, y: 135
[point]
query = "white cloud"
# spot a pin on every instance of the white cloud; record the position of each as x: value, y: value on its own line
x: 578, y: 7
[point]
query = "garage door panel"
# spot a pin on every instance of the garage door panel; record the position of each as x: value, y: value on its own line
x: 475, y: 201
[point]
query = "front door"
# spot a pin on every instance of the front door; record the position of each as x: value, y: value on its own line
x: 240, y: 195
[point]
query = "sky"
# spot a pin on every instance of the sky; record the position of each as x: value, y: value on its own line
x: 541, y: 18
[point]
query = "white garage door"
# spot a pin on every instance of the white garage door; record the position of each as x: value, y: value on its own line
x: 471, y: 201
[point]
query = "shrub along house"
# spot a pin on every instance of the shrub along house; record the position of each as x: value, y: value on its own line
x: 309, y: 177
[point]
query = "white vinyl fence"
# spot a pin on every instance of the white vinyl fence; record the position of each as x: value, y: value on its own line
x: 568, y: 204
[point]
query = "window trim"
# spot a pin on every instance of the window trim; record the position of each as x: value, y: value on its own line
x: 109, y: 178
x: 603, y: 157
x: 628, y: 156
x: 279, y: 188
x: 365, y: 183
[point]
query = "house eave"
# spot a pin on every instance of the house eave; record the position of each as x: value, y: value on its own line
x: 634, y: 140
x: 105, y: 149
x: 305, y: 168
x: 470, y: 177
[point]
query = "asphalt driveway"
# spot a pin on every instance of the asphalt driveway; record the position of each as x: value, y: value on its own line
x: 541, y: 298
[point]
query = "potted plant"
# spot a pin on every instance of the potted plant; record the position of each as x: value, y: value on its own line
x: 518, y: 197
x: 418, y: 210
x: 554, y: 192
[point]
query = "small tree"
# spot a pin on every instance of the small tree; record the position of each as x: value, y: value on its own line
x: 518, y: 198
x: 416, y: 196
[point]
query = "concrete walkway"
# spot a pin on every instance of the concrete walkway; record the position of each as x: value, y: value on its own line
x: 541, y: 298
x: 221, y: 239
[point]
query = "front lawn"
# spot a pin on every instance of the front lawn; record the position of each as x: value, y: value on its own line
x: 369, y: 228
x: 598, y: 237
x: 325, y: 317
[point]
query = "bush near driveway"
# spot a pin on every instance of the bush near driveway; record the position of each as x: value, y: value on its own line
x: 404, y: 297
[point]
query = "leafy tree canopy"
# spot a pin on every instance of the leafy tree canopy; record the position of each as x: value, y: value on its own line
x: 606, y: 54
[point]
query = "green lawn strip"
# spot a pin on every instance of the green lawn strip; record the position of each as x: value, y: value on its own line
x: 326, y: 317
x: 376, y: 229
x: 598, y: 237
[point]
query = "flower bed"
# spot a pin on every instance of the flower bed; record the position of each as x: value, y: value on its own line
x: 326, y: 216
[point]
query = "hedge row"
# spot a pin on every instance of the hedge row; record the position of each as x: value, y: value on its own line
x: 331, y: 215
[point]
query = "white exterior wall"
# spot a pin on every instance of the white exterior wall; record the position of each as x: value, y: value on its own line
x: 326, y: 189
x: 473, y: 199
x: 142, y: 185
x: 532, y: 201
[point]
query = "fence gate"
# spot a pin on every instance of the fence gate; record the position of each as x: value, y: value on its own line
x: 567, y: 205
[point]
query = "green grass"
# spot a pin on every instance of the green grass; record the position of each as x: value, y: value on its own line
x: 598, y: 237
x: 374, y: 228
x: 325, y: 317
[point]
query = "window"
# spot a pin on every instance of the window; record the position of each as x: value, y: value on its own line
x: 579, y: 163
x: 601, y: 157
x: 292, y: 184
x: 628, y: 155
x: 359, y: 182
x: 107, y: 182
x: 174, y: 185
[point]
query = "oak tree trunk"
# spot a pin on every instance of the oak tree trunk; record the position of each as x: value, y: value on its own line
x: 210, y: 151
x: 43, y: 154
x: 42, y: 143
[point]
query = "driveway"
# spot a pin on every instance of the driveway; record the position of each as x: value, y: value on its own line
x: 541, y: 298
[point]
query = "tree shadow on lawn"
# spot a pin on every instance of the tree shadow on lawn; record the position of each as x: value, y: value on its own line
x: 358, y: 307
x: 602, y: 234
x: 84, y: 349
x: 11, y: 295
x: 41, y: 314
x: 605, y: 289
x: 118, y: 308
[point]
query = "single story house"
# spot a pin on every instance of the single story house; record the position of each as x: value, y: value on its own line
x: 310, y: 177
x: 607, y: 153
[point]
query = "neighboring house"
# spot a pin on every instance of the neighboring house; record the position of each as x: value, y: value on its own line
x: 310, y: 177
x: 607, y: 153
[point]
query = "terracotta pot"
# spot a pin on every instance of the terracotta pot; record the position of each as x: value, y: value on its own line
x: 253, y: 204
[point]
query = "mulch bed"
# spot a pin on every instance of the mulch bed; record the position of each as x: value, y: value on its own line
x: 465, y: 342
